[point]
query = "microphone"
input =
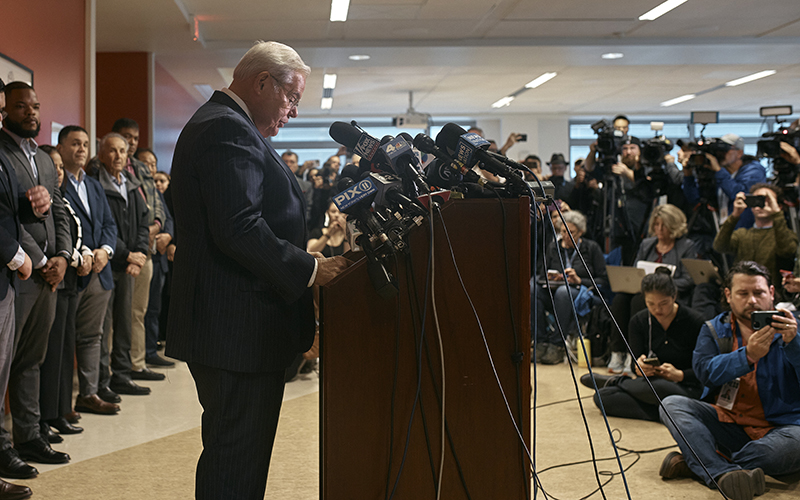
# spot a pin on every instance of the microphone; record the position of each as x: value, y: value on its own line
x: 350, y: 171
x: 354, y: 199
x: 389, y: 193
x: 361, y: 143
x: 402, y: 159
x: 467, y: 147
x: 425, y: 144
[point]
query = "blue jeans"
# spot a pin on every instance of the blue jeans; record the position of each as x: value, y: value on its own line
x: 777, y: 453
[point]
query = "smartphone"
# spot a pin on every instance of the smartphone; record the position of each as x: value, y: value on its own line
x: 760, y: 319
x: 652, y: 361
x: 552, y: 274
x: 787, y: 275
x: 522, y: 137
x: 752, y: 200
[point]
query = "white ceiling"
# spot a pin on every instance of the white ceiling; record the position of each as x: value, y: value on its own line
x: 460, y: 56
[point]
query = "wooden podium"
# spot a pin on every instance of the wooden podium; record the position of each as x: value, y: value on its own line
x: 371, y: 364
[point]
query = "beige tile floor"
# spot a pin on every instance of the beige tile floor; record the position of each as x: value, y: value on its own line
x: 149, y: 450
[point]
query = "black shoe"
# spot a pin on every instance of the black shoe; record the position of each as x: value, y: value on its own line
x: 147, y: 374
x: 159, y: 361
x: 38, y: 450
x: 48, y: 434
x: 129, y: 387
x: 160, y: 345
x: 63, y: 427
x: 555, y: 355
x: 12, y: 467
x: 602, y: 380
x: 108, y: 395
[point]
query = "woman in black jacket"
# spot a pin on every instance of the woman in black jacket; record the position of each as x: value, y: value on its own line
x: 662, y: 338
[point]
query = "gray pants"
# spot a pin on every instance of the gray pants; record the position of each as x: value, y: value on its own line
x: 89, y: 318
x: 34, y: 315
x: 6, y: 336
x: 117, y: 330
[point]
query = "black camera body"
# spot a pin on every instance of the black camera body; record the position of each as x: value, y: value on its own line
x: 609, y: 146
x: 654, y: 150
x: 770, y: 145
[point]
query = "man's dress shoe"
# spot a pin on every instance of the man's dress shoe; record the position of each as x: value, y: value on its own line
x: 146, y: 374
x: 64, y: 427
x: 48, y: 435
x: 93, y: 404
x: 11, y: 466
x: 108, y: 395
x: 10, y: 491
x: 129, y: 387
x: 38, y: 450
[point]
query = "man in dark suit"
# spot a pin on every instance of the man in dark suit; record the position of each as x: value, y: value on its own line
x: 14, y: 205
x: 241, y: 304
x: 49, y: 243
x: 88, y: 199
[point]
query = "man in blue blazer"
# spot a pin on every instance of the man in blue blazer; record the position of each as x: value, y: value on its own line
x: 241, y: 304
x: 89, y: 201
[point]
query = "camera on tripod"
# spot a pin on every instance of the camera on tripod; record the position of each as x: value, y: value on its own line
x: 770, y: 145
x: 609, y: 146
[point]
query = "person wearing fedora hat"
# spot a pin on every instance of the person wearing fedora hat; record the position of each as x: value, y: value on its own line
x: 563, y: 187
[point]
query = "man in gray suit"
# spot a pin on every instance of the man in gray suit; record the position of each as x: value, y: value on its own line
x: 48, y: 242
x: 241, y: 306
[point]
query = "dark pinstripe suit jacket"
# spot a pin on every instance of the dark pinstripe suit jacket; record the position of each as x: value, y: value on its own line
x: 240, y: 299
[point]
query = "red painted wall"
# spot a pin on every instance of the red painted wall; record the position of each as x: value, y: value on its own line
x: 174, y: 106
x: 48, y: 37
x: 122, y: 91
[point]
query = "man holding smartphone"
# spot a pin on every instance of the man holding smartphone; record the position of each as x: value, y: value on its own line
x: 768, y: 241
x: 753, y: 378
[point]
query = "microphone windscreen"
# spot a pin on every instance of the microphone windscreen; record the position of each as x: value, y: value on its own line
x: 350, y: 171
x: 440, y: 174
x: 385, y: 139
x: 345, y: 134
x: 448, y: 137
x: 344, y: 183
x: 424, y: 143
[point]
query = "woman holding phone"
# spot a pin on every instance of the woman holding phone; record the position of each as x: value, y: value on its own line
x: 662, y: 338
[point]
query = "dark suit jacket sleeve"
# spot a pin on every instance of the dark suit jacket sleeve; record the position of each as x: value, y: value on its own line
x: 237, y: 169
x: 8, y: 246
x: 61, y: 217
x: 143, y: 232
x: 169, y: 222
x: 30, y: 246
x: 108, y: 235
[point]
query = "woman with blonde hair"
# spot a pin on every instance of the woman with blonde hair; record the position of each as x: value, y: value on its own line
x: 667, y: 244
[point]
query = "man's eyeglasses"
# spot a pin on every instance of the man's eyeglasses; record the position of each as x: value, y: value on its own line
x: 294, y: 100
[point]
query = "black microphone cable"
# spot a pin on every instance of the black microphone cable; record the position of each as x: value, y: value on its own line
x: 630, y: 350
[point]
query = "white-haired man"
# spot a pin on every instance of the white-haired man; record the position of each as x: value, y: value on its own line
x: 242, y: 303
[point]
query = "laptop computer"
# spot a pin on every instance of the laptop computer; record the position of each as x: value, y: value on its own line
x: 702, y: 271
x: 625, y: 279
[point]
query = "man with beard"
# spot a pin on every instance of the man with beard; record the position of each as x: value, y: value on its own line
x: 49, y: 244
x: 752, y: 373
x: 14, y: 206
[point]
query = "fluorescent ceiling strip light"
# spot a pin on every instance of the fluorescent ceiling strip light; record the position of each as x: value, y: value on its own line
x: 329, y: 81
x: 678, y: 100
x: 540, y: 80
x: 659, y: 11
x: 613, y: 55
x: 339, y: 10
x: 505, y: 101
x: 754, y: 76
x: 327, y: 103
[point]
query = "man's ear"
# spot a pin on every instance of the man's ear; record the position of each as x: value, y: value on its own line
x: 261, y: 80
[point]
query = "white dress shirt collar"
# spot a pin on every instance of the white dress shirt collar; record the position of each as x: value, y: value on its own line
x: 238, y: 100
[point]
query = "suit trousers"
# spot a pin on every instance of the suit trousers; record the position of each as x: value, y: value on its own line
x: 6, y: 339
x: 58, y: 361
x: 35, y: 311
x: 89, y: 318
x: 141, y: 296
x: 240, y: 417
x: 151, y: 318
x: 116, y: 343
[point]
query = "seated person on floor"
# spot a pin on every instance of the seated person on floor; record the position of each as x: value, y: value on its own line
x: 667, y: 244
x: 550, y: 348
x: 752, y: 373
x: 662, y: 337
